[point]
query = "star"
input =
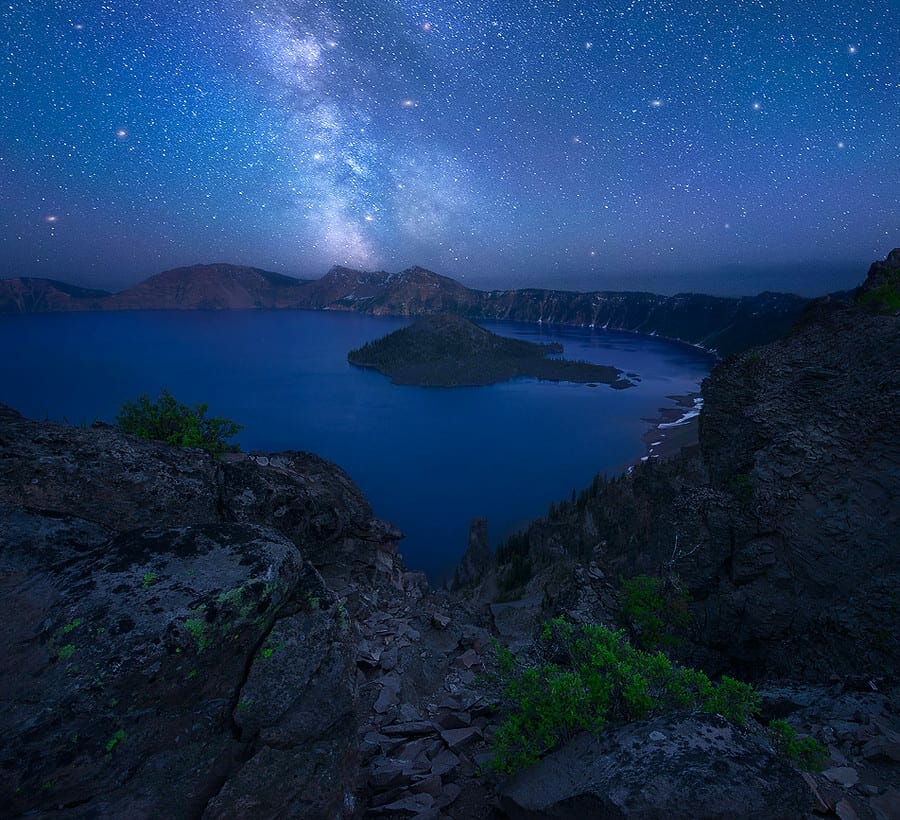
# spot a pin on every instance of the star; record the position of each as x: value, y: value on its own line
x: 427, y: 26
x: 756, y: 105
x: 121, y: 133
x: 841, y: 144
x: 51, y: 218
x: 409, y: 103
x: 852, y: 49
x: 655, y: 103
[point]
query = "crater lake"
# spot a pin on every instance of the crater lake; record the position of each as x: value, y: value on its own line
x: 427, y: 459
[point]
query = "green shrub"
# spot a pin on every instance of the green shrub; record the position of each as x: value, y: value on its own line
x: 652, y: 609
x: 885, y: 297
x: 168, y: 420
x: 587, y: 676
x: 806, y: 752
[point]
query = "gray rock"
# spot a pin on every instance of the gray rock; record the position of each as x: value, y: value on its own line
x: 457, y: 739
x: 842, y: 775
x: 137, y: 649
x: 389, y: 695
x: 708, y: 768
x: 444, y: 763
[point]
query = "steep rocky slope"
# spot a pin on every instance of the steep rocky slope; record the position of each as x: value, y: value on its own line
x: 783, y: 526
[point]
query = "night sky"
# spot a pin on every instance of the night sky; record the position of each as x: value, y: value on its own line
x: 726, y: 146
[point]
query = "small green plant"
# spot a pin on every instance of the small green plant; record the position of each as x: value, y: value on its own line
x: 69, y: 627
x: 586, y: 676
x: 197, y: 628
x: 806, y: 752
x: 313, y: 601
x: 653, y: 609
x: 885, y: 297
x: 115, y: 740
x: 168, y: 420
x: 149, y: 579
x: 65, y: 652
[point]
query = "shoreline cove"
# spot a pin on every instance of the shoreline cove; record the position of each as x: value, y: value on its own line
x: 674, y: 429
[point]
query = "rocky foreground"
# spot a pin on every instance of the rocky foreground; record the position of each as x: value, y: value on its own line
x: 188, y: 636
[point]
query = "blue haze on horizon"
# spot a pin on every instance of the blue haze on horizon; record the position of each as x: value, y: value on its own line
x: 631, y: 144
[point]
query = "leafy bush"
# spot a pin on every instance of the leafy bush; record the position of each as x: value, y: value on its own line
x: 168, y: 420
x: 652, y: 609
x: 589, y: 675
x: 806, y: 752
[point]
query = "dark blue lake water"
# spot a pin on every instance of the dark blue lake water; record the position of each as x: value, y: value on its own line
x: 428, y: 459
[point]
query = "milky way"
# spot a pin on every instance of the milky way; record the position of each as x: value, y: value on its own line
x: 653, y: 144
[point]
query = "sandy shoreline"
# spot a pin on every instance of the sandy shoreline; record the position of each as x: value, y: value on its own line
x: 674, y: 428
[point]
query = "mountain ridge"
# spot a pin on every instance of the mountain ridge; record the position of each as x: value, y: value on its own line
x: 723, y: 325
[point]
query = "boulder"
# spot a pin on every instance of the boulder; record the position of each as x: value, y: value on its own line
x: 132, y: 677
x: 677, y: 766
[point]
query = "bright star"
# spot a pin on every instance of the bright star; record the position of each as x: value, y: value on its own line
x: 121, y: 133
x: 427, y: 26
x: 408, y: 103
x: 588, y: 44
x: 369, y: 218
x: 841, y: 144
x: 757, y: 106
x: 51, y: 218
x: 852, y: 49
x: 656, y: 103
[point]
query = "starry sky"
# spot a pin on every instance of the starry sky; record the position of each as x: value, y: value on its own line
x: 728, y: 146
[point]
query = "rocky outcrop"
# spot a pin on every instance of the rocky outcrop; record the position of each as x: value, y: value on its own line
x: 680, y: 766
x: 135, y: 669
x: 172, y: 648
x: 477, y: 559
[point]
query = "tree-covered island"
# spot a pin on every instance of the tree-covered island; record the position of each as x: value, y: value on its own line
x: 449, y: 351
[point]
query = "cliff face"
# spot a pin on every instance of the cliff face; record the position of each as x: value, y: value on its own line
x: 783, y: 527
